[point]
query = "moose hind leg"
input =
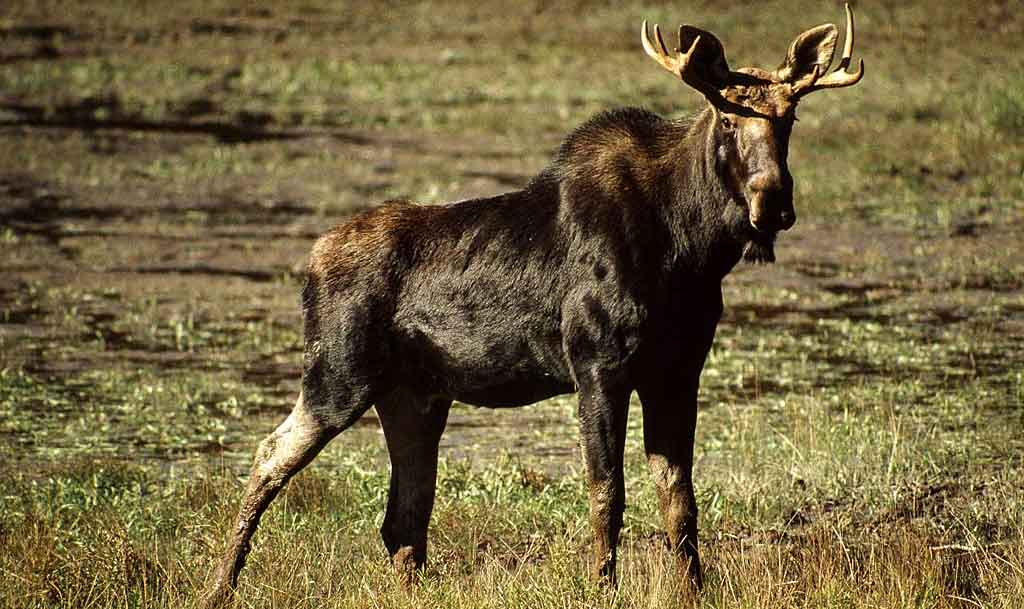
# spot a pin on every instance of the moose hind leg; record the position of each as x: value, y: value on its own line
x: 412, y: 428
x: 279, y: 457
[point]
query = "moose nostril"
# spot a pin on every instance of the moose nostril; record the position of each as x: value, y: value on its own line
x: 787, y: 219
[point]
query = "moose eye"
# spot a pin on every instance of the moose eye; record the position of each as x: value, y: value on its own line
x: 726, y: 123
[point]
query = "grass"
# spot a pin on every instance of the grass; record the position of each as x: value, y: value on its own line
x: 163, y: 173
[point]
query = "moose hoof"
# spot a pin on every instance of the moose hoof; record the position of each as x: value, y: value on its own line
x: 218, y: 597
x: 692, y: 572
x: 604, y: 573
x: 406, y: 564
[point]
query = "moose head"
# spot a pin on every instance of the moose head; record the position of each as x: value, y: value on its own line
x: 754, y: 114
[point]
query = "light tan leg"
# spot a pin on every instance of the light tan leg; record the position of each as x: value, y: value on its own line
x: 280, y: 456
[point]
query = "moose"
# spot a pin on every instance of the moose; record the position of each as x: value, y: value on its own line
x: 602, y: 276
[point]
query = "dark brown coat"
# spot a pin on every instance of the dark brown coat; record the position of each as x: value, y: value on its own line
x: 602, y: 276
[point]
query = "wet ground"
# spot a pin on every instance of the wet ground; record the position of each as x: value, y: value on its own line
x: 168, y: 327
x: 162, y: 179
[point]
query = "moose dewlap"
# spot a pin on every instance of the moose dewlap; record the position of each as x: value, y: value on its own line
x: 602, y: 276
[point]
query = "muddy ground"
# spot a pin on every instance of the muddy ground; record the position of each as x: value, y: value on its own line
x: 114, y: 279
x: 163, y: 174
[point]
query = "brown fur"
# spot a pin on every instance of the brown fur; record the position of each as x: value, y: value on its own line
x: 367, y: 238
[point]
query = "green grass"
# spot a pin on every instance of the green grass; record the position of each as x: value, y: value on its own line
x: 163, y: 174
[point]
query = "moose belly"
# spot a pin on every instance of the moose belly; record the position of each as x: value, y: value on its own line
x: 511, y: 393
x: 494, y: 368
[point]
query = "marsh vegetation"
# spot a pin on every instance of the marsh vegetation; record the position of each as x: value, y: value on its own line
x: 162, y: 176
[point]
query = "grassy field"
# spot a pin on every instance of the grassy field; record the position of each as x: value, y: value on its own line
x: 164, y: 172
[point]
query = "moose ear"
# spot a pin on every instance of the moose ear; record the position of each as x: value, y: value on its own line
x: 708, y: 60
x: 810, y: 55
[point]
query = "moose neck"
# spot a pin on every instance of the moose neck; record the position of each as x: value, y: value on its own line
x: 708, y: 226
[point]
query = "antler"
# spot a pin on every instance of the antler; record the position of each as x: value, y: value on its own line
x: 678, y: 65
x: 840, y: 77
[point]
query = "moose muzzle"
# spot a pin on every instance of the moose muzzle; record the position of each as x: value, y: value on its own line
x: 770, y: 196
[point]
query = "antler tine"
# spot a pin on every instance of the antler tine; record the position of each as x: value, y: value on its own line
x: 659, y: 54
x: 840, y: 77
x: 661, y: 41
x: 685, y: 57
x: 677, y: 64
x: 848, y: 45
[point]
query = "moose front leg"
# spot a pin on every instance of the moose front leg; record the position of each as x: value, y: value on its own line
x: 670, y: 420
x: 603, y: 409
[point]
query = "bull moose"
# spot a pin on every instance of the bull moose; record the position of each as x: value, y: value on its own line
x: 602, y: 276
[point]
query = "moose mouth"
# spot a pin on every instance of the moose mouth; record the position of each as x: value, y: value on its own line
x: 761, y: 247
